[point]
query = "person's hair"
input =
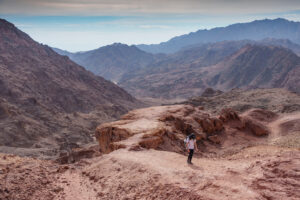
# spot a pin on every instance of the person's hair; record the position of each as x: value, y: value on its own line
x: 192, y: 136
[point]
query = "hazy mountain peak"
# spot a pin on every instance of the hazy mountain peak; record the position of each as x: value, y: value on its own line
x: 4, y: 23
x: 111, y: 61
x: 255, y: 30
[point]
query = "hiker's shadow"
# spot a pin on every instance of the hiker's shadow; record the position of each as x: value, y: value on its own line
x: 194, y: 167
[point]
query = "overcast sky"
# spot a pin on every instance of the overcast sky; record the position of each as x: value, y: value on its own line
x: 76, y: 25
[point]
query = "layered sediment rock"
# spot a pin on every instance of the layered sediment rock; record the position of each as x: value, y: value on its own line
x: 165, y: 128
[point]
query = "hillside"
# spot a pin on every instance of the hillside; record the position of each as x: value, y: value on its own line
x: 257, y: 67
x: 275, y: 100
x: 281, y: 43
x: 256, y: 30
x: 47, y: 102
x: 112, y: 61
x: 223, y: 66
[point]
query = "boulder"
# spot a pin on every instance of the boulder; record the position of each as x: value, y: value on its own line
x: 77, y: 154
x: 256, y: 128
x: 209, y: 92
x: 228, y: 114
x: 178, y: 123
x: 183, y: 127
x: 218, y: 124
x: 215, y: 139
x: 210, y: 125
x: 229, y: 117
x: 207, y: 125
x: 152, y: 142
x: 262, y: 115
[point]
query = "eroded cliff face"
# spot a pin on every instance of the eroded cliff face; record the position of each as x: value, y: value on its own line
x: 165, y: 128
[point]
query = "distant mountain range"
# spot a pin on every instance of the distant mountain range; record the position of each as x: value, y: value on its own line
x: 47, y: 102
x: 177, y: 75
x: 256, y: 30
x: 117, y: 62
x: 111, y: 61
x: 222, y: 66
x: 198, y: 65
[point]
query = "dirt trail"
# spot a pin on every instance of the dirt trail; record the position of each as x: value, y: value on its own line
x: 152, y: 174
x: 275, y: 126
x: 276, y: 130
x: 75, y: 187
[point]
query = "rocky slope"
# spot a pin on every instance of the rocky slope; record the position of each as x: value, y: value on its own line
x: 249, y: 155
x: 256, y: 30
x: 47, y: 102
x: 275, y: 100
x: 177, y: 75
x: 221, y: 66
x: 282, y: 43
x: 257, y: 66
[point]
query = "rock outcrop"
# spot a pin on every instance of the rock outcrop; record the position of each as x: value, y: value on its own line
x: 166, y: 127
x: 255, y: 127
x: 210, y: 92
x: 107, y: 135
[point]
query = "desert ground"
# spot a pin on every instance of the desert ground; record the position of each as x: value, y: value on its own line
x: 247, y: 155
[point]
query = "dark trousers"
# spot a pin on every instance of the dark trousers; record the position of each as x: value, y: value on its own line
x: 190, y: 155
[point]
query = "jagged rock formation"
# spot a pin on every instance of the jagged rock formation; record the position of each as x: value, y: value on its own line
x: 164, y: 128
x: 47, y: 102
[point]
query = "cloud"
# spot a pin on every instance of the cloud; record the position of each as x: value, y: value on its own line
x: 138, y: 7
x: 99, y: 22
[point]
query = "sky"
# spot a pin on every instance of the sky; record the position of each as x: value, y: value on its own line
x: 80, y: 25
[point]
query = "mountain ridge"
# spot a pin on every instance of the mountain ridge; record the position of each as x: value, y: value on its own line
x: 47, y: 102
x: 112, y: 61
x: 184, y: 81
x: 255, y: 30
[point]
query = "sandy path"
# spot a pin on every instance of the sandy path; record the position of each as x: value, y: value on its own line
x: 119, y: 171
x: 215, y: 175
x: 76, y: 186
x: 275, y: 125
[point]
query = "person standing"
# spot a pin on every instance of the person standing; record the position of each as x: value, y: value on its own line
x: 191, y: 146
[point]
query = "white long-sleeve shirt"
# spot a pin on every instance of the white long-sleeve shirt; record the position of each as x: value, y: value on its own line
x: 191, y: 144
